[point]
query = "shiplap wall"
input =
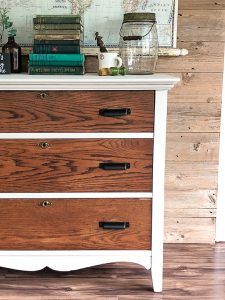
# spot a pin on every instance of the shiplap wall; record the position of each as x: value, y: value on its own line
x: 194, y: 122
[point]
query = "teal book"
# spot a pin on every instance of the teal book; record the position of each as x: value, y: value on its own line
x: 59, y: 49
x: 57, y: 19
x: 58, y: 27
x: 56, y: 59
x: 56, y: 70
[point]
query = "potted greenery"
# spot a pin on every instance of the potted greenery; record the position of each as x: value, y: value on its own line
x: 6, y: 24
x: 11, y: 47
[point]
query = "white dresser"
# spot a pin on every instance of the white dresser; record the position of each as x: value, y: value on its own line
x: 82, y: 162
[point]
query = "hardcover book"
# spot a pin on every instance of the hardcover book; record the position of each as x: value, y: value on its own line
x: 57, y: 19
x: 57, y: 42
x: 57, y: 32
x: 56, y: 70
x: 57, y: 37
x: 56, y: 59
x: 58, y: 26
x: 60, y: 49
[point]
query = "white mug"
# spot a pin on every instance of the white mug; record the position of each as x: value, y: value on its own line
x: 109, y: 60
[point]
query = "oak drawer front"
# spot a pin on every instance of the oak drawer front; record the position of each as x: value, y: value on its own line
x: 76, y: 111
x: 71, y: 224
x: 80, y: 165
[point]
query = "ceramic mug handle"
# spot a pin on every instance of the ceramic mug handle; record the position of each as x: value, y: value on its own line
x: 119, y: 62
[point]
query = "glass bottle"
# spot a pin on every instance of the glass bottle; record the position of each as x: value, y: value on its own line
x: 15, y: 54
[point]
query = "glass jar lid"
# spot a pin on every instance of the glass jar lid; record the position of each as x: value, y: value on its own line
x: 139, y: 17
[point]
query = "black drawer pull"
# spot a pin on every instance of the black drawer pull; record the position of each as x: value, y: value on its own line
x: 114, y: 166
x: 114, y: 112
x: 114, y: 225
x: 132, y: 38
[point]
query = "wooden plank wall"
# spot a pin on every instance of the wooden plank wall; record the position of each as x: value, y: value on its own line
x: 194, y: 123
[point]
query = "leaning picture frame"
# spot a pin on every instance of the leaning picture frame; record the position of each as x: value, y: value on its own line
x: 97, y: 15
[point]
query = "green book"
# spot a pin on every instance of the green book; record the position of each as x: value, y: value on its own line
x: 56, y: 59
x: 58, y: 32
x: 58, y: 37
x: 58, y: 26
x: 57, y: 19
x: 59, y: 49
x: 56, y: 70
x: 57, y: 43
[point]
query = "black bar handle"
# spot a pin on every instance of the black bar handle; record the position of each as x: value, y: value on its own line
x: 114, y: 225
x: 114, y: 112
x: 114, y: 166
x: 132, y: 38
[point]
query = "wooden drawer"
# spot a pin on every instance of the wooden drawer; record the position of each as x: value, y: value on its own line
x: 76, y: 165
x: 74, y: 224
x: 76, y: 111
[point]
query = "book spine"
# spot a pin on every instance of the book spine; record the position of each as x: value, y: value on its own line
x: 56, y: 57
x: 58, y: 37
x: 57, y: 32
x: 56, y: 70
x: 59, y: 49
x: 57, y: 27
x: 56, y: 64
x: 57, y: 42
x: 57, y: 20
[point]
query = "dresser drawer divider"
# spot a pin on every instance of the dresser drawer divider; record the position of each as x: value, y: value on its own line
x: 124, y: 195
x: 18, y: 136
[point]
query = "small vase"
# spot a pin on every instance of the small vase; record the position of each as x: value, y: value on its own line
x: 15, y: 54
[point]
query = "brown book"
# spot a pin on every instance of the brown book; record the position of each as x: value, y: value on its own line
x: 57, y: 32
x: 57, y: 37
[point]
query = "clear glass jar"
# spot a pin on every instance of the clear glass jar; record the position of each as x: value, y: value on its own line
x: 139, y: 43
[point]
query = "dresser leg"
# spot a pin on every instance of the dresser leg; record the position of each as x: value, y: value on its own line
x: 156, y: 280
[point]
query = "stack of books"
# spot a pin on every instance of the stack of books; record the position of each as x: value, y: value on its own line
x: 57, y: 42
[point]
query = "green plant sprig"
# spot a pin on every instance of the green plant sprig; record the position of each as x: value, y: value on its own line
x: 6, y: 24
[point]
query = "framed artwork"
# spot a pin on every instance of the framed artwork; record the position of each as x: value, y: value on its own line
x: 104, y: 16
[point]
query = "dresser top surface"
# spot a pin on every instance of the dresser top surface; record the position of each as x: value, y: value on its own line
x: 87, y: 82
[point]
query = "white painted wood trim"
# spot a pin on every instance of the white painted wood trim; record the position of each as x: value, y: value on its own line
x: 158, y: 189
x: 70, y: 260
x: 146, y: 196
x: 22, y: 82
x: 220, y: 214
x: 175, y: 24
x: 76, y: 135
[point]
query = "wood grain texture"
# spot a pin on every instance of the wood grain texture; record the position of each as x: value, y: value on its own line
x: 64, y: 111
x: 74, y: 224
x: 197, y: 87
x: 191, y: 272
x: 196, y: 25
x: 203, y: 57
x: 190, y: 212
x: 197, y: 198
x: 73, y: 165
x: 190, y: 117
x: 187, y: 177
x: 188, y: 230
x: 186, y: 147
x: 207, y: 5
x: 194, y: 113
